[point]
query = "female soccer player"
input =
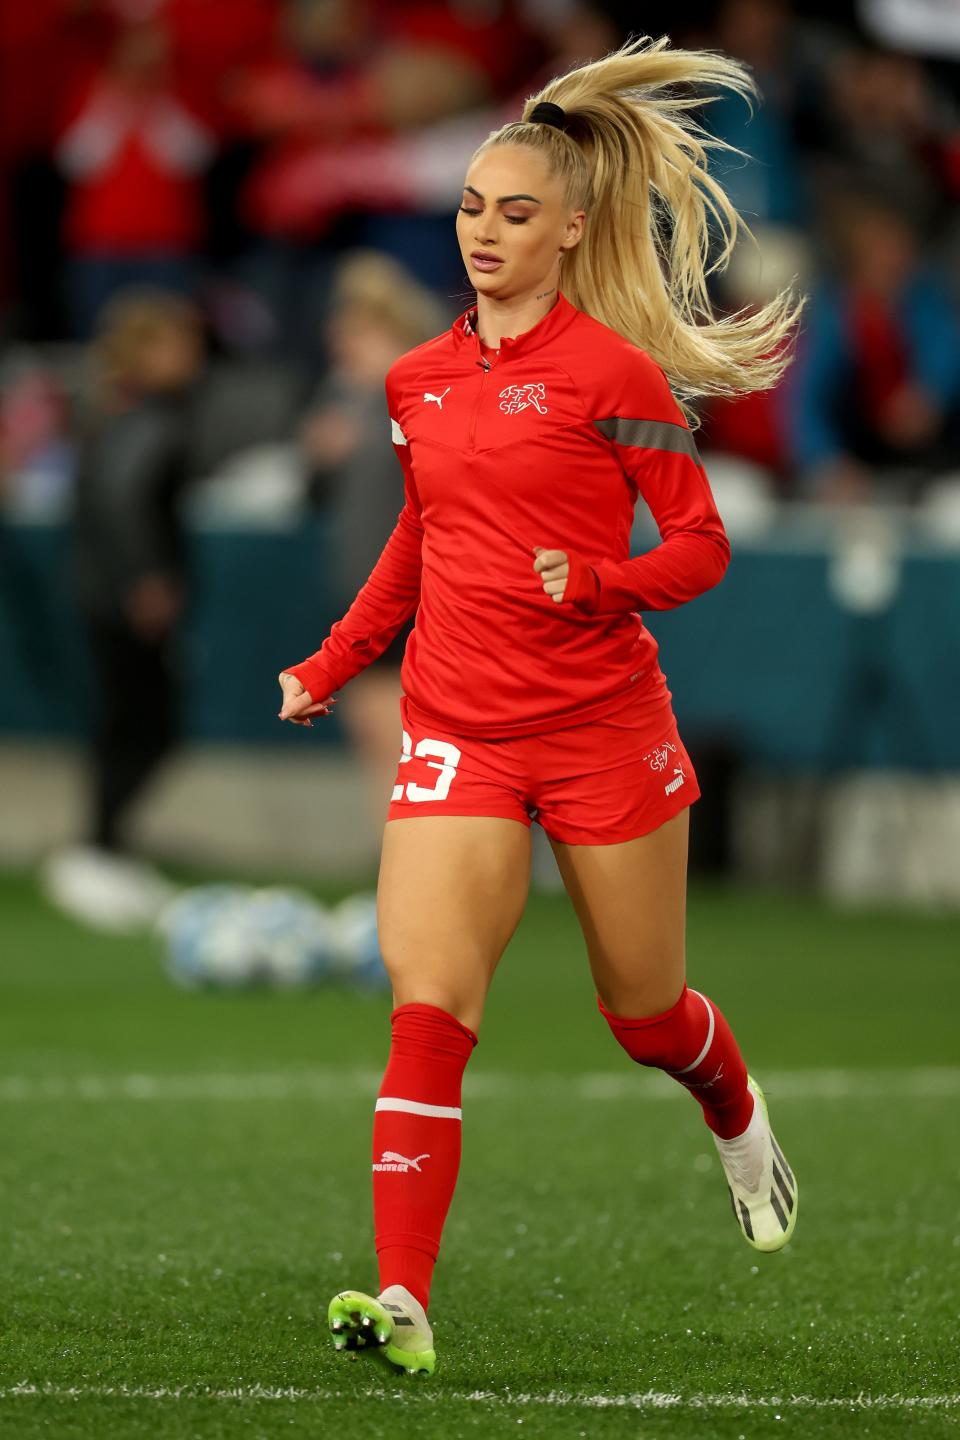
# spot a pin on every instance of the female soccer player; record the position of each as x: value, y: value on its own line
x: 531, y: 688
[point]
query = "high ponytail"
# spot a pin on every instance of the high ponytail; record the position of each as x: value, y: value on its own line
x: 634, y: 158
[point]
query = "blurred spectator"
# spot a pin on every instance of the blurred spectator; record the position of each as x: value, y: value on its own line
x: 133, y: 156
x: 411, y: 174
x: 351, y: 67
x: 351, y: 77
x: 48, y: 48
x: 755, y: 427
x: 879, y: 124
x: 210, y: 43
x: 876, y: 386
x: 36, y: 471
x: 36, y: 460
x: 129, y: 576
x: 770, y: 184
x: 379, y: 311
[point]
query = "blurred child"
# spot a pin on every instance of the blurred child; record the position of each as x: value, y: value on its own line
x: 378, y: 312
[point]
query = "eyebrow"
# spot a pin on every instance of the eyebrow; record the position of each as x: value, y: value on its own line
x: 502, y: 199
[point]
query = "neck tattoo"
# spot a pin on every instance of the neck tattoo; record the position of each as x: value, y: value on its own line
x: 542, y: 296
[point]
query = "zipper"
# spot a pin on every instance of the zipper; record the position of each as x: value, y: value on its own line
x: 476, y: 409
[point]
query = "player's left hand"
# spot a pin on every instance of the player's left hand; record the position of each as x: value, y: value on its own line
x: 554, y: 568
x: 298, y: 704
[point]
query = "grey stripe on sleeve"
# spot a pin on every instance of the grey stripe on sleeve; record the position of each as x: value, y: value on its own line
x: 650, y: 434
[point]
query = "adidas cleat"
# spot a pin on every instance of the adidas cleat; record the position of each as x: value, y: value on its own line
x: 411, y: 1345
x: 358, y: 1321
x: 763, y: 1191
x: 394, y: 1324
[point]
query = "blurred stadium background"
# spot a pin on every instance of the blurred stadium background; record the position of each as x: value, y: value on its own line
x: 220, y: 221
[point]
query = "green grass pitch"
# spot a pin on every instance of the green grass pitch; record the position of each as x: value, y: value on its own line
x: 185, y: 1181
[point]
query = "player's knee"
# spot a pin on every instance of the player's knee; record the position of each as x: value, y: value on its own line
x: 643, y: 993
x: 421, y: 974
x: 468, y: 1009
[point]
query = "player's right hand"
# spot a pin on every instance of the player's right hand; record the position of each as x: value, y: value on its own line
x: 297, y: 703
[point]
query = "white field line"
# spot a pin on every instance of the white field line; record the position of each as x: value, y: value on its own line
x: 918, y: 1083
x: 421, y: 1393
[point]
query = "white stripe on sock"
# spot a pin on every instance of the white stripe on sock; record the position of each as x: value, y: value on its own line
x: 707, y: 1043
x: 417, y: 1107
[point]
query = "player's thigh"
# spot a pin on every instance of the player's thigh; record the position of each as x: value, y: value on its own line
x: 630, y: 899
x: 451, y: 892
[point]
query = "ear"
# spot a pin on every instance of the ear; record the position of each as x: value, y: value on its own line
x: 575, y: 229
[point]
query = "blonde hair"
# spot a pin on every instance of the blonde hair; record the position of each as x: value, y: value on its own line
x: 384, y: 289
x: 128, y: 323
x: 632, y: 156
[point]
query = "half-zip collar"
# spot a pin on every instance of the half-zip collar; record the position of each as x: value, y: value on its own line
x: 558, y: 317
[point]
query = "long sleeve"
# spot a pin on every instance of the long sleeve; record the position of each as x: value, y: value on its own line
x: 387, y: 599
x: 659, y: 455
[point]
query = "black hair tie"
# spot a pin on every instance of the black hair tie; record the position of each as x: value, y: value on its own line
x: 546, y: 113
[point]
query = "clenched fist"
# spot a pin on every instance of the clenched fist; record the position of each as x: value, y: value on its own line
x: 567, y: 576
x: 554, y: 567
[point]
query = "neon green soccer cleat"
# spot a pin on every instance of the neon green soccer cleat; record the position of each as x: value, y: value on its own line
x: 394, y: 1324
x: 763, y: 1190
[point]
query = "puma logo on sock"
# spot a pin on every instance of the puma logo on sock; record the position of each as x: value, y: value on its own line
x: 390, y: 1160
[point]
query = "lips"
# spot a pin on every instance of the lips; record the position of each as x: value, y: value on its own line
x: 484, y: 260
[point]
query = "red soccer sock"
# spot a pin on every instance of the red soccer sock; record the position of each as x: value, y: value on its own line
x: 694, y: 1044
x: 416, y: 1143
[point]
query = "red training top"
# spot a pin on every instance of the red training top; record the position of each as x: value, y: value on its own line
x: 547, y: 444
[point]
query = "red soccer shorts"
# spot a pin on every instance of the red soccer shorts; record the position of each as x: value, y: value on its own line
x: 597, y: 783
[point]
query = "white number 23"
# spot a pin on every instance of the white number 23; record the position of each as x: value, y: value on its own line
x: 448, y: 758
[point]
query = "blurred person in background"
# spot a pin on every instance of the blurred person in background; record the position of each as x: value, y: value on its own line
x: 753, y: 429
x: 378, y: 312
x: 350, y: 67
x: 880, y: 123
x: 36, y: 476
x: 36, y: 468
x: 48, y: 50
x: 129, y: 579
x: 350, y: 75
x: 770, y: 187
x: 875, y: 394
x: 133, y: 157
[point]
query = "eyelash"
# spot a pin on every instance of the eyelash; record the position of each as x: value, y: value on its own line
x: 514, y: 219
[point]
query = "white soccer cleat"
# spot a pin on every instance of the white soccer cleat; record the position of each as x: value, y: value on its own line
x: 411, y: 1346
x: 394, y: 1324
x: 763, y: 1191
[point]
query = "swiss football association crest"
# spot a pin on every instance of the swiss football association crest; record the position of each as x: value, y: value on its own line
x: 515, y: 398
x: 657, y: 758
